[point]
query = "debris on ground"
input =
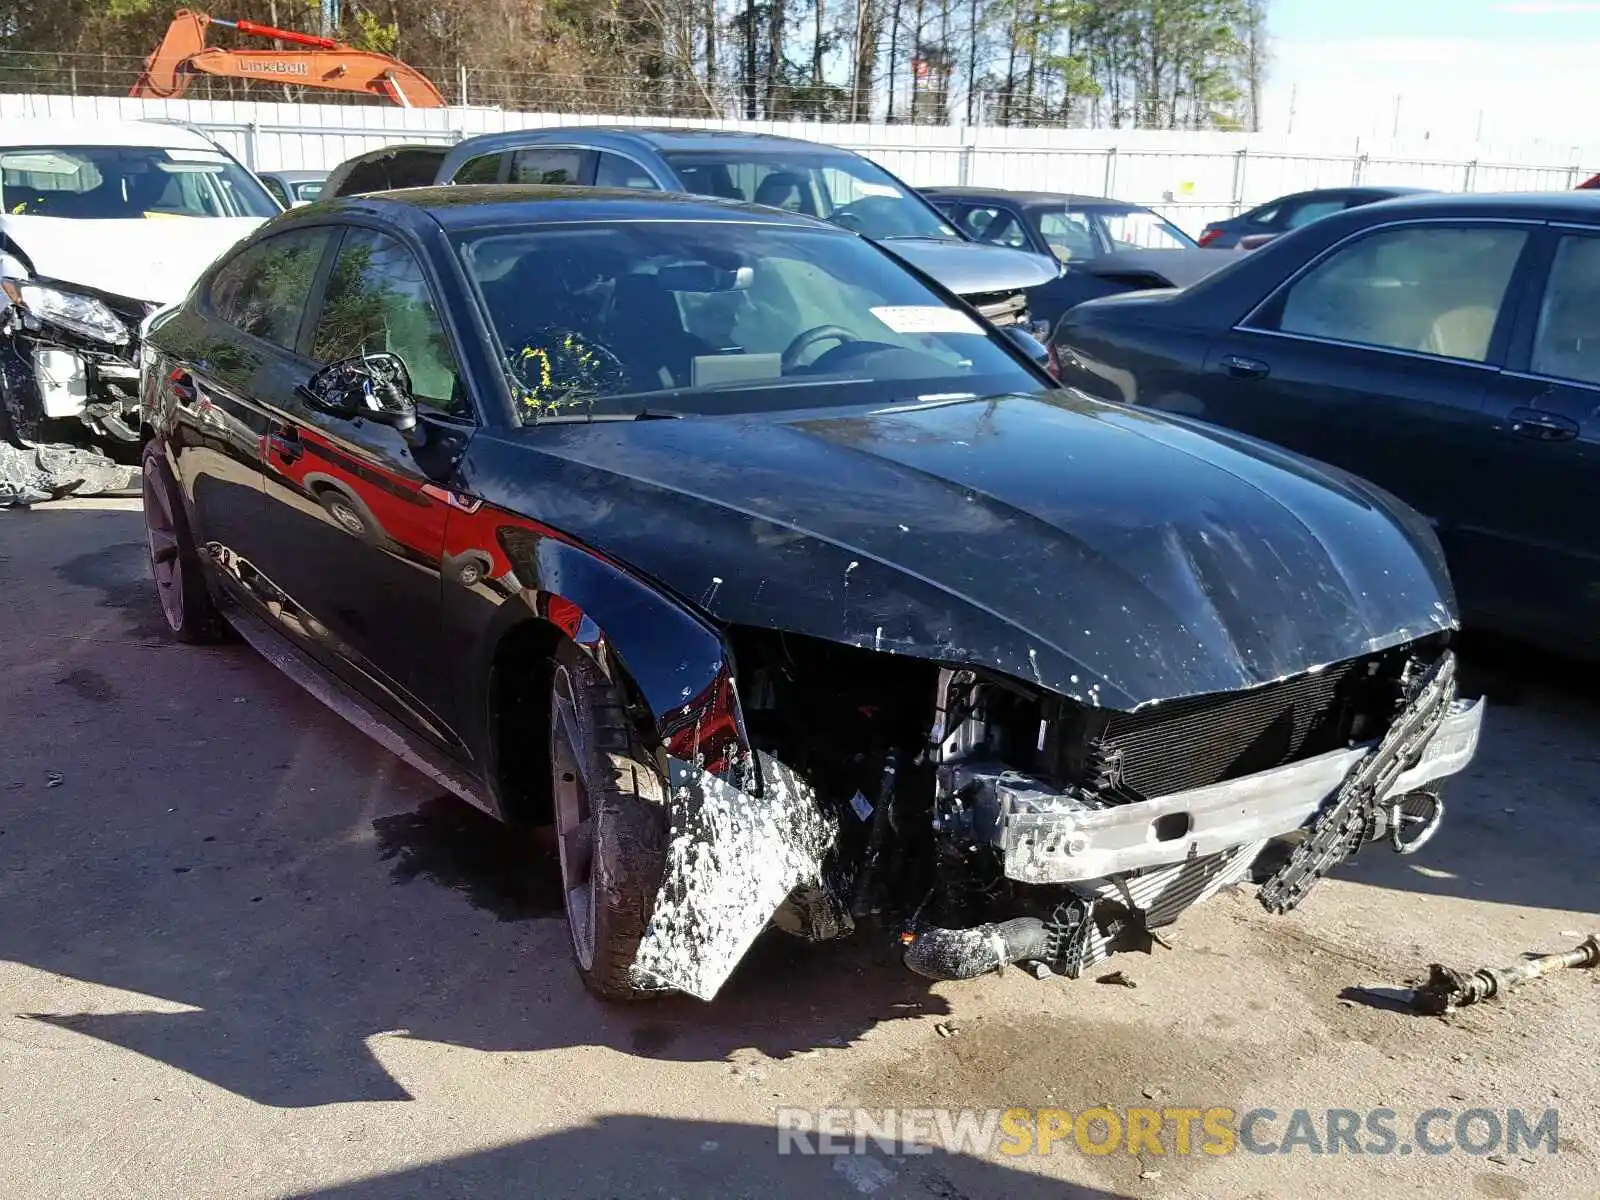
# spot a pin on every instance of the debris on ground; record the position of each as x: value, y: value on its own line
x: 1448, y: 989
x: 40, y: 473
x: 1117, y: 978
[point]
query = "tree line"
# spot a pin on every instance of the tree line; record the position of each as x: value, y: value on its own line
x: 1163, y: 64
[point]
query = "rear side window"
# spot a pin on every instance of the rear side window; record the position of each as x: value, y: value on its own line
x: 276, y: 188
x: 1430, y: 289
x: 1567, y: 345
x: 263, y: 290
x: 1313, y: 210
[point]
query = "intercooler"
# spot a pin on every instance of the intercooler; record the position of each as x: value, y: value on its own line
x: 1200, y: 740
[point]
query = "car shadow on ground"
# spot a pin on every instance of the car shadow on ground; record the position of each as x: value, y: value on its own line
x: 631, y: 1155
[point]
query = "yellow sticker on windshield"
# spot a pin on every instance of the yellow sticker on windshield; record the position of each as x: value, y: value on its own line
x: 926, y: 318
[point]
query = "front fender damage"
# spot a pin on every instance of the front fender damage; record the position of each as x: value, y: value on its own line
x: 733, y: 858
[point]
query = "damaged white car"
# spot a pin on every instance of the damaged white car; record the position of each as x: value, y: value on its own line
x: 101, y: 224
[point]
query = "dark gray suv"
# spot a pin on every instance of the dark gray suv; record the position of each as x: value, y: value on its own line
x: 786, y: 173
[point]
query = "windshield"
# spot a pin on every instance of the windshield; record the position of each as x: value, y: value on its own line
x: 123, y: 183
x: 720, y: 317
x: 843, y: 188
x: 1139, y: 229
x: 308, y: 191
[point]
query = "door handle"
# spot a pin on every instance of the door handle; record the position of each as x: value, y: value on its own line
x: 1542, y: 426
x: 286, y: 444
x: 1245, y: 368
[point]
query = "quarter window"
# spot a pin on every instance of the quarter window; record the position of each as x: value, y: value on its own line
x: 618, y: 172
x: 264, y: 289
x: 378, y: 302
x: 1434, y: 290
x: 1568, y: 342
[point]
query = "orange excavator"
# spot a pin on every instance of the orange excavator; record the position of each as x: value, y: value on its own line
x: 325, y: 63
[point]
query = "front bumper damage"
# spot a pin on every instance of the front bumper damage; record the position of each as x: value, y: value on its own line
x: 68, y: 393
x: 1057, y: 877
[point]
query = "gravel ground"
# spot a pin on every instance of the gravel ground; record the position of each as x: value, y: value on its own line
x: 245, y: 953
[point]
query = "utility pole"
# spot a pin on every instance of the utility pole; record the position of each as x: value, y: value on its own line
x: 972, y: 56
x: 750, y: 60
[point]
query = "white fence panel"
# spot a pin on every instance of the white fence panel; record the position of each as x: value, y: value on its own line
x: 1192, y: 177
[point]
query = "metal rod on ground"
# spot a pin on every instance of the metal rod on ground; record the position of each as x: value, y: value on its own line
x: 1448, y: 990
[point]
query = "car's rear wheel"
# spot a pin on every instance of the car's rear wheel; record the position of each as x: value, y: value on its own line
x: 610, y: 824
x: 174, y: 562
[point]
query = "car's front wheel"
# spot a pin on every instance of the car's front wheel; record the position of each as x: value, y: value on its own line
x: 174, y: 562
x: 610, y: 824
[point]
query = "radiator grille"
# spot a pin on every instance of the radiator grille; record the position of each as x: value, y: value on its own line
x: 1207, y: 739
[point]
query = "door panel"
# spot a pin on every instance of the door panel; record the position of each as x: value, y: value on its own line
x: 1548, y: 407
x: 356, y: 510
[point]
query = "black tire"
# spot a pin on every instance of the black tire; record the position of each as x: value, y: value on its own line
x: 351, y: 515
x: 609, y: 804
x: 174, y: 563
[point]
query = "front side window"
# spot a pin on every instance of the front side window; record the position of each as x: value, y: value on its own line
x: 547, y: 166
x: 720, y: 317
x: 264, y: 289
x: 843, y: 188
x: 1136, y: 229
x: 998, y: 226
x: 378, y: 302
x: 1069, y: 235
x: 1430, y: 289
x: 1567, y: 344
x: 128, y: 183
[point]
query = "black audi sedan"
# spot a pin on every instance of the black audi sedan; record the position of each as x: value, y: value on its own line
x: 1447, y: 348
x: 788, y: 590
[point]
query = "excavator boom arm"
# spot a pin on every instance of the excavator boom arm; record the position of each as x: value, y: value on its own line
x: 183, y: 54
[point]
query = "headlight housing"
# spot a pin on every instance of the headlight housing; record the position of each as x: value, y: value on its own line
x: 82, y: 315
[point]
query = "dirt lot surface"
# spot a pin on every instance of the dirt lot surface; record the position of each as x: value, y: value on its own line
x: 243, y: 952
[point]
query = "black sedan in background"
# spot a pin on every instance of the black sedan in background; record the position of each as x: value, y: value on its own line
x: 1276, y: 217
x: 1446, y: 348
x: 678, y: 523
x: 1107, y: 246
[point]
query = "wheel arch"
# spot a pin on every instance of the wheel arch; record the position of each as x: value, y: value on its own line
x: 673, y: 669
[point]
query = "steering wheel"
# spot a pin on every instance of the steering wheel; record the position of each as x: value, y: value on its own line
x: 804, y: 341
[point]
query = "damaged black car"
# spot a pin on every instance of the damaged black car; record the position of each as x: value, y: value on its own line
x: 788, y: 591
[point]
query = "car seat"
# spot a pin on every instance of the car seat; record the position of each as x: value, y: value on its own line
x: 786, y: 190
x: 645, y: 330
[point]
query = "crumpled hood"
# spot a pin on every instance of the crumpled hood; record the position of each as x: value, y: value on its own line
x: 1107, y: 553
x: 967, y: 268
x: 151, y: 259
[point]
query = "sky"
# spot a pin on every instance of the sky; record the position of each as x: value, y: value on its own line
x: 1519, y: 70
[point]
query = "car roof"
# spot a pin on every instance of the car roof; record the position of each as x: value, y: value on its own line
x: 1581, y: 206
x: 478, y: 205
x: 658, y: 138
x: 55, y: 131
x: 1028, y: 199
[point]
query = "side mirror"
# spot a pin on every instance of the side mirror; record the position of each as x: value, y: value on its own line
x: 1027, y: 343
x: 373, y: 387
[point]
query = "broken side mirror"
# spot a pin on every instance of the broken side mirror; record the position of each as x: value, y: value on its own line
x: 373, y: 387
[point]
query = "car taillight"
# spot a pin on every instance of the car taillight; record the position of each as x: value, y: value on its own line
x: 1209, y: 236
x: 1053, y: 364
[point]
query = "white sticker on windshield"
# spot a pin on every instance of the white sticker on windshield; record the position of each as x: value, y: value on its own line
x: 926, y: 318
